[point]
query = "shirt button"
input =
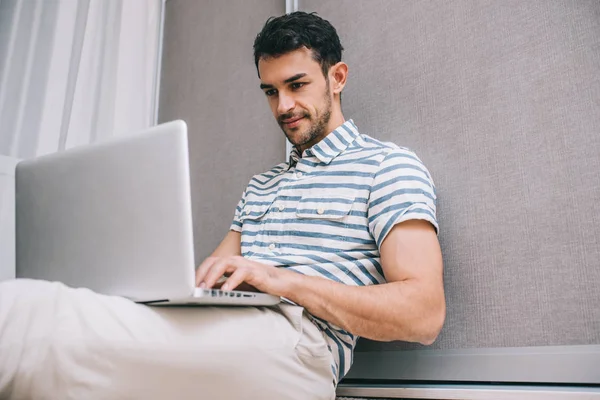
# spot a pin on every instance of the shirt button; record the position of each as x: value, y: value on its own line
x: 281, y: 207
x: 299, y: 174
x: 272, y: 246
x: 320, y: 210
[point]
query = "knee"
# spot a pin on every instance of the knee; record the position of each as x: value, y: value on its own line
x: 23, y: 300
x: 25, y: 290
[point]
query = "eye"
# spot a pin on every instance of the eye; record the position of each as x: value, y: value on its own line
x: 271, y: 92
x: 297, y: 85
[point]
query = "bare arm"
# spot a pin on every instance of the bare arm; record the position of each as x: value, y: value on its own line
x: 230, y: 246
x: 410, y: 307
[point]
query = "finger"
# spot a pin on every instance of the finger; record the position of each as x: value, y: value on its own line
x: 218, y: 269
x: 238, y: 277
x: 246, y: 287
x: 204, y: 268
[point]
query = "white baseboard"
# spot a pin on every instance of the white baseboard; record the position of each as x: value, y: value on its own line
x: 468, y: 392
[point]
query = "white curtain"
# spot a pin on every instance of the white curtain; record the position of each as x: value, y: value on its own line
x: 72, y: 72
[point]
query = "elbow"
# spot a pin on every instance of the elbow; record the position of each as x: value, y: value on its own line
x: 432, y: 325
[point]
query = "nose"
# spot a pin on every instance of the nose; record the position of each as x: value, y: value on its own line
x: 286, y: 103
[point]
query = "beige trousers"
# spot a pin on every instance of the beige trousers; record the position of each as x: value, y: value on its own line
x: 63, y: 343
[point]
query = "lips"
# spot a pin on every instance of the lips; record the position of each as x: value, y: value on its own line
x: 292, y: 122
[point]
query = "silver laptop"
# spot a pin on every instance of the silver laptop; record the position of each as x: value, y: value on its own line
x: 115, y: 217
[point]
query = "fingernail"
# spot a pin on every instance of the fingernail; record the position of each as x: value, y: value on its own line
x: 224, y: 287
x: 202, y: 285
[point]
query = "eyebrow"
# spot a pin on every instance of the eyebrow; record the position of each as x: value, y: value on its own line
x: 288, y: 80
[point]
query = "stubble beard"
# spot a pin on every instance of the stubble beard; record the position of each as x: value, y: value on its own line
x: 316, y: 130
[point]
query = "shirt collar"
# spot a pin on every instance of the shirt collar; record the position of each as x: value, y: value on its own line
x: 331, y: 145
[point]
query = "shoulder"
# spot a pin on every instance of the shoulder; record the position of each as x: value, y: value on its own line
x: 263, y: 180
x: 396, y: 163
x: 387, y: 152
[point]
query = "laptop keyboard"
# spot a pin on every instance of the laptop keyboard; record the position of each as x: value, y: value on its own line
x: 223, y: 293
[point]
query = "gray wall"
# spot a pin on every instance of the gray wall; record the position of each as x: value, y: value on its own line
x: 501, y: 101
x: 209, y: 80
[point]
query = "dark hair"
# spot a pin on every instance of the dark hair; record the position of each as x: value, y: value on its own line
x: 289, y: 32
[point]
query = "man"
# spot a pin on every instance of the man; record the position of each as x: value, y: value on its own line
x: 347, y: 228
x: 345, y: 233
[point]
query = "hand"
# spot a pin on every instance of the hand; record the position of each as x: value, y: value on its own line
x: 242, y: 286
x: 238, y: 270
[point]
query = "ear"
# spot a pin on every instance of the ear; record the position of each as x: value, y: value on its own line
x: 337, y: 76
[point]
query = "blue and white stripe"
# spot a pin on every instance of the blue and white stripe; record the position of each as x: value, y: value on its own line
x: 326, y: 214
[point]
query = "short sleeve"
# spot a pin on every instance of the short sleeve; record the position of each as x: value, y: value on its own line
x: 236, y: 225
x: 402, y: 190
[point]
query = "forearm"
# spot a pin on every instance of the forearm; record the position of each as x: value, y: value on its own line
x: 230, y: 246
x: 392, y: 311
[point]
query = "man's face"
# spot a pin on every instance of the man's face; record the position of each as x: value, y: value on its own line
x: 299, y: 96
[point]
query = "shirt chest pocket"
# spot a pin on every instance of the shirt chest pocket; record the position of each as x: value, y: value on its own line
x: 324, y: 207
x: 255, y: 209
x: 254, y: 212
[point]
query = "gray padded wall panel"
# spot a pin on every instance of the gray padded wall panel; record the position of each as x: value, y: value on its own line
x: 501, y: 101
x: 209, y: 80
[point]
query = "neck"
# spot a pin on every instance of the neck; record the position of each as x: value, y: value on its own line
x: 337, y: 119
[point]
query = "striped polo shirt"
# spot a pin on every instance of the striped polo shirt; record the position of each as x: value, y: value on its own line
x: 326, y: 212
